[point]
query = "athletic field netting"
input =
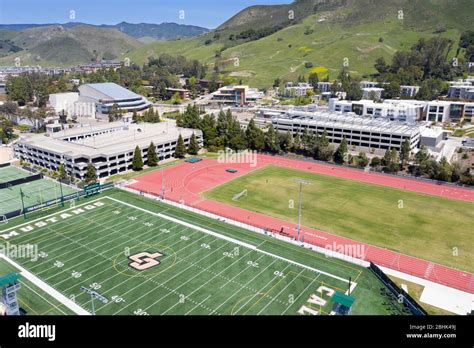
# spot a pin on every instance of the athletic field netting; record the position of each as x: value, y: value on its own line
x: 12, y: 173
x: 146, y: 257
x: 35, y: 192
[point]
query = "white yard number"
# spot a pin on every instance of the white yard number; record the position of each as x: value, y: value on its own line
x: 43, y: 254
x: 164, y: 230
x: 76, y: 274
x: 132, y: 218
x: 95, y: 286
x: 252, y: 264
x: 117, y: 299
x: 205, y: 246
x: 116, y: 212
x: 182, y: 298
x: 148, y: 224
x: 184, y: 238
x: 140, y: 311
x: 227, y: 254
x: 278, y: 274
x: 58, y: 264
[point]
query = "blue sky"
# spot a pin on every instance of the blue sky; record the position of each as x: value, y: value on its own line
x: 206, y: 13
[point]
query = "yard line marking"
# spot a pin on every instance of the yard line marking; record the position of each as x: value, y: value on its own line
x: 230, y: 239
x: 261, y: 291
x: 161, y: 284
x: 73, y: 241
x: 198, y: 305
x: 245, y: 269
x: 246, y: 284
x: 97, y: 265
x: 29, y: 237
x: 209, y: 280
x: 48, y: 216
x: 117, y: 274
x: 301, y: 293
x: 81, y: 245
x: 287, y: 285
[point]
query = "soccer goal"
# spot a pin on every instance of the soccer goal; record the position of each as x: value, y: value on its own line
x: 239, y: 195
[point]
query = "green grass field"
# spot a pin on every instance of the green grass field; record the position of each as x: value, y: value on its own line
x: 31, y: 298
x: 207, y: 267
x: 11, y: 173
x: 35, y: 192
x: 416, y: 224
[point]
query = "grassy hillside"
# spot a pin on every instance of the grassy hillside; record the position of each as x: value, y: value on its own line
x: 325, y: 39
x: 57, y: 45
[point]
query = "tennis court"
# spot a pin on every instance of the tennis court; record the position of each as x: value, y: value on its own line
x: 35, y: 192
x: 12, y: 173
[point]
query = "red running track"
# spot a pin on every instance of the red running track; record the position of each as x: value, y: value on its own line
x: 184, y: 182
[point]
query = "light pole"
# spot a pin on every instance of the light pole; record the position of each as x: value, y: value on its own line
x: 301, y: 182
x: 162, y: 154
x: 94, y: 295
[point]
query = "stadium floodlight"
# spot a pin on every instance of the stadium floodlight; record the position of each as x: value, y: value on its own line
x: 162, y: 154
x: 94, y: 295
x: 301, y: 182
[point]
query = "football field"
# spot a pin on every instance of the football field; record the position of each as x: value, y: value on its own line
x: 148, y: 258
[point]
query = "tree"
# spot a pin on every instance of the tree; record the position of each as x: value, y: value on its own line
x: 91, y: 174
x: 62, y: 172
x: 152, y: 157
x: 193, y: 147
x: 375, y: 162
x: 137, y: 162
x: 254, y: 136
x: 313, y: 80
x: 114, y: 113
x: 381, y: 66
x: 180, y: 150
x: 271, y: 140
x: 405, y: 153
x: 361, y: 160
x: 340, y: 156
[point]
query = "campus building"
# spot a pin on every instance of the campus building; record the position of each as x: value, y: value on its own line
x: 109, y: 146
x: 96, y: 99
x: 237, y: 95
x: 402, y: 112
x: 358, y: 131
x: 297, y: 90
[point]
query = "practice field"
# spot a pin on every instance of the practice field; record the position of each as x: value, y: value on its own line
x: 12, y: 173
x: 430, y: 227
x: 35, y: 192
x: 146, y: 257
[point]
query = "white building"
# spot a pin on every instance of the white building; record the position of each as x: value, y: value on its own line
x: 109, y: 146
x: 324, y: 87
x: 358, y: 131
x: 401, y: 112
x: 96, y: 99
x: 299, y: 90
x: 368, y: 84
x: 461, y: 92
x: 438, y: 111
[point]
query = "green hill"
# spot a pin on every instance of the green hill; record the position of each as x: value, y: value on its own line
x: 57, y: 45
x: 355, y: 32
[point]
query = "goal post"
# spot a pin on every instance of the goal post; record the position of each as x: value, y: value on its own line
x: 240, y: 195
